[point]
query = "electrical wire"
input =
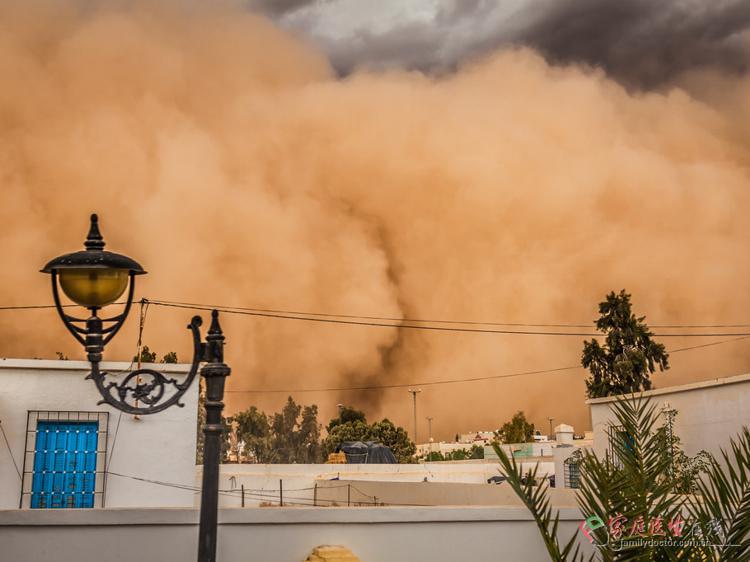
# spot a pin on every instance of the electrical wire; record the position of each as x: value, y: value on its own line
x: 137, y: 356
x: 144, y: 302
x: 404, y: 385
x: 453, y: 381
x: 322, y: 316
x: 43, y: 306
x: 328, y: 320
x: 10, y: 451
x: 433, y: 321
x: 288, y: 500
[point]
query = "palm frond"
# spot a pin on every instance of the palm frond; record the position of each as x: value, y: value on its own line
x: 536, y: 499
x: 723, y: 505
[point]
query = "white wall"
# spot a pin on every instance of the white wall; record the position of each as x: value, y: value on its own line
x: 710, y: 413
x: 261, y: 481
x: 156, y: 447
x: 443, y: 447
x: 374, y: 534
x: 367, y: 493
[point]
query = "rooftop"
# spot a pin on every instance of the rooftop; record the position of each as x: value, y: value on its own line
x: 680, y: 388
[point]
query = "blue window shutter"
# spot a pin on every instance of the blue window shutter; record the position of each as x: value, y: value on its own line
x: 64, y: 464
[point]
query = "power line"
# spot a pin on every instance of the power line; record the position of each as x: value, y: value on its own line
x: 455, y: 381
x: 303, y: 315
x: 405, y: 385
x: 43, y: 306
x: 437, y: 321
x: 10, y: 451
x: 328, y: 320
x: 711, y: 344
x: 141, y: 326
x: 264, y: 495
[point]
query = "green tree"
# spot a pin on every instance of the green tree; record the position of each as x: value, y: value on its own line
x: 629, y: 355
x: 346, y: 414
x: 395, y: 438
x: 684, y: 470
x: 309, y: 449
x: 296, y: 440
x: 146, y: 356
x: 350, y: 431
x: 477, y: 452
x: 385, y: 432
x: 254, y: 430
x: 517, y: 430
x: 170, y: 357
x: 435, y: 456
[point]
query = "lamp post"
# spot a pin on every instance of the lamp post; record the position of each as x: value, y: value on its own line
x: 94, y: 278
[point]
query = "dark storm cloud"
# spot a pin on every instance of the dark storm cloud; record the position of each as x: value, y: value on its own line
x: 642, y: 43
x: 279, y: 7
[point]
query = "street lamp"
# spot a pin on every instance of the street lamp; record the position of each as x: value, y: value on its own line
x: 94, y: 278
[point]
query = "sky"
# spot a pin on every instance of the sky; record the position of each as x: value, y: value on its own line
x: 467, y: 161
x: 642, y: 43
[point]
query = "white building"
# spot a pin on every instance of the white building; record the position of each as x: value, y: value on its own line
x: 135, y: 464
x: 423, y: 449
x: 62, y: 449
x: 564, y: 433
x: 709, y: 413
x: 477, y: 437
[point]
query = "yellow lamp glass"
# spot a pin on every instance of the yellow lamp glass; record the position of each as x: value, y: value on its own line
x: 93, y: 286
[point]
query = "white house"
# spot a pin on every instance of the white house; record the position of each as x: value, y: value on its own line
x: 708, y: 413
x: 59, y: 448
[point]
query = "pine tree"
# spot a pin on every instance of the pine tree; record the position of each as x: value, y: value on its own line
x: 629, y: 355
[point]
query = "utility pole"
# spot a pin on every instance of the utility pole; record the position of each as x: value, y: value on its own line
x: 414, y: 392
x: 429, y: 432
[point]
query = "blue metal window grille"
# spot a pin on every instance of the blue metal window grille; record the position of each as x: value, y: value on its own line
x: 65, y: 458
x: 572, y: 476
x: 618, y: 435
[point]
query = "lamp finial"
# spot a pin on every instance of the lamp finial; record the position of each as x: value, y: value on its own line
x: 94, y: 240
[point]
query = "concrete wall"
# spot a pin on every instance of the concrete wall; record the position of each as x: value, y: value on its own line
x: 261, y: 481
x: 519, y: 450
x: 443, y: 447
x: 156, y: 447
x: 359, y: 492
x: 374, y: 534
x: 710, y: 413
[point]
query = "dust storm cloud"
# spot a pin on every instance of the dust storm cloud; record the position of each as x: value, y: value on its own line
x: 230, y: 159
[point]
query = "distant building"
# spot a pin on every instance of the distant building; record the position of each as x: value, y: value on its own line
x: 477, y: 437
x: 564, y: 433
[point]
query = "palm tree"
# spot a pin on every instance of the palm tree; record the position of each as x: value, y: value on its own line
x: 633, y: 482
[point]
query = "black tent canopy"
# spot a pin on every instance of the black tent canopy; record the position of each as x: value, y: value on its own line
x: 367, y: 452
